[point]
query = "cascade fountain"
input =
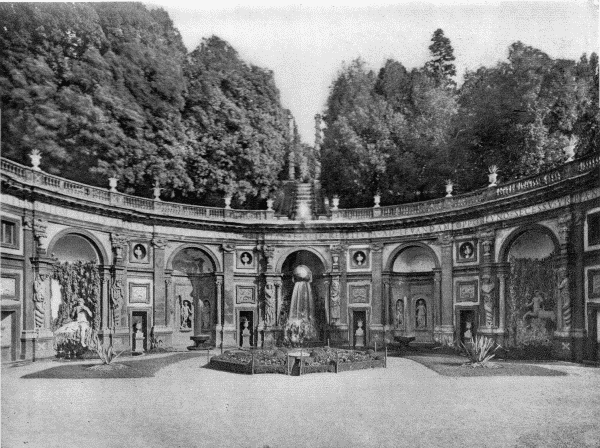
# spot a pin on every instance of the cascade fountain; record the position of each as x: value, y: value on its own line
x: 301, y: 316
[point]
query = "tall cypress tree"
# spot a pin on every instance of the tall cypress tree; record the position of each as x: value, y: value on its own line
x: 440, y: 66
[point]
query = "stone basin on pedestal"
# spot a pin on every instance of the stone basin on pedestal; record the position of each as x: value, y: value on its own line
x: 199, y: 341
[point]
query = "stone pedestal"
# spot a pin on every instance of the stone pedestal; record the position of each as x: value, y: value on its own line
x: 246, y: 336
x: 138, y: 340
x: 359, y: 335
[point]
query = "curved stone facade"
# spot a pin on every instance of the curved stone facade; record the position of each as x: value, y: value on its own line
x: 417, y: 270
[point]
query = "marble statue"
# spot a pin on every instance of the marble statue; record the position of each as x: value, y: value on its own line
x: 536, y: 308
x: 334, y: 303
x: 488, y: 302
x: 565, y: 296
x: 186, y: 314
x: 421, y: 314
x: 400, y: 313
x: 269, y: 304
x: 205, y: 316
x: 82, y: 312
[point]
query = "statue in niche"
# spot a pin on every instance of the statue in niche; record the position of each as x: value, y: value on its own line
x: 139, y: 252
x: 269, y: 304
x: 79, y: 329
x: 421, y: 312
x: 565, y: 297
x: 186, y: 314
x: 468, y: 334
x: 536, y: 308
x: 488, y: 301
x: 400, y: 313
x: 116, y: 298
x: 335, y: 300
x: 81, y: 313
x: 205, y: 316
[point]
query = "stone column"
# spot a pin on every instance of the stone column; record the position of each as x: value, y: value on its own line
x: 437, y: 300
x: 28, y: 322
x: 387, y: 324
x: 219, y: 300
x: 377, y: 319
x: 229, y: 330
x: 578, y: 290
x: 502, y: 271
x: 447, y: 300
x: 105, y: 305
x: 160, y: 328
x: 119, y: 245
x: 278, y: 301
x: 487, y: 285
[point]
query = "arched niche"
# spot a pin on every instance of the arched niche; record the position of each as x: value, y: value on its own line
x: 194, y: 293
x: 72, y: 245
x: 78, y: 255
x: 411, y: 269
x: 412, y: 258
x: 284, y: 258
x: 534, y: 242
x: 532, y: 285
x: 315, y: 264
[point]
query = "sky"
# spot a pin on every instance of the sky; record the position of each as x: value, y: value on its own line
x: 305, y: 44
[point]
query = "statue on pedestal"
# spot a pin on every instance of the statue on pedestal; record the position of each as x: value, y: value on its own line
x: 205, y: 317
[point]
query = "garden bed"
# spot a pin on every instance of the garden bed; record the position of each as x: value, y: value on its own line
x: 314, y: 360
x: 453, y: 366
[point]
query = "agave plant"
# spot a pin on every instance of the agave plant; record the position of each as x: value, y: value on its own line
x: 106, y: 353
x: 479, y: 351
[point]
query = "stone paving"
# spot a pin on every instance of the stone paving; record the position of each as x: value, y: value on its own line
x: 405, y: 405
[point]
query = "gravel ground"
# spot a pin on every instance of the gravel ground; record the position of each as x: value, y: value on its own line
x: 405, y: 405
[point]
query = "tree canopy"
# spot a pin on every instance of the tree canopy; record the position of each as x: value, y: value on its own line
x: 108, y: 89
x: 404, y: 133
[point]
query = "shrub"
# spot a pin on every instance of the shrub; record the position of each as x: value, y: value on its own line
x: 480, y: 351
x: 106, y: 353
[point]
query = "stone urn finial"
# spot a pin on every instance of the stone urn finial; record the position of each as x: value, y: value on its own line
x: 493, y: 175
x: 377, y: 199
x: 112, y: 183
x: 270, y: 203
x: 228, y: 201
x: 336, y: 202
x: 36, y: 158
x: 156, y: 190
x: 569, y: 150
x: 449, y: 188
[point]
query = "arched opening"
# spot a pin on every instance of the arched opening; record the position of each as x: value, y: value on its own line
x: 532, y: 289
x: 194, y: 295
x: 305, y: 268
x: 411, y: 304
x: 75, y: 291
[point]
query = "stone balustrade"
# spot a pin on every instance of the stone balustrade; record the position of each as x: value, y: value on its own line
x: 103, y: 196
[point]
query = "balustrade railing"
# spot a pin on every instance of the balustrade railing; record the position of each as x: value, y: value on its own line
x: 54, y: 183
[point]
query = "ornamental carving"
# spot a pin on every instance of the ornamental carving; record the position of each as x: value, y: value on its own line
x: 269, y: 254
x: 336, y: 253
x: 39, y: 300
x: 159, y: 243
x: 487, y: 288
x: 334, y: 300
x: 118, y: 242
x: 443, y: 239
x: 269, y: 303
x: 564, y: 225
x: 228, y: 247
x: 39, y: 227
x: 565, y: 298
x: 116, y: 299
x: 487, y: 241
